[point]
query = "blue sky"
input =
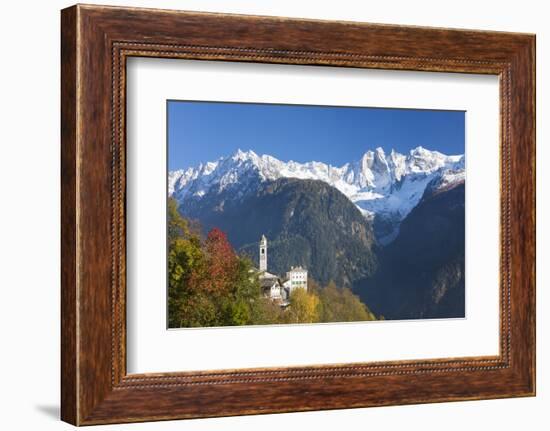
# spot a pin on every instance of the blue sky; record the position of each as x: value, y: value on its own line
x: 204, y: 131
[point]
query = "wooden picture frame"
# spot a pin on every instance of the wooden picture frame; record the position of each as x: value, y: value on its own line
x: 95, y: 43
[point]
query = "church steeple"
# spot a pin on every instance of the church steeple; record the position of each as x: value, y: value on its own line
x: 263, y: 253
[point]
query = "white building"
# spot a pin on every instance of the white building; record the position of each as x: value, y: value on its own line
x: 297, y: 278
x: 272, y: 286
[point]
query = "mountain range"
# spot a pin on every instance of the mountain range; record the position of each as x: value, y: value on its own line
x: 384, y: 187
x: 389, y: 226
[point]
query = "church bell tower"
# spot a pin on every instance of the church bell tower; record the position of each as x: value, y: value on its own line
x: 263, y: 253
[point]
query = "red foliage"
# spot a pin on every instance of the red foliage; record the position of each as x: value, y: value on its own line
x: 222, y: 262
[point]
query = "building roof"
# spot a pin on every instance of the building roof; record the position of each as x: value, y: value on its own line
x: 297, y: 268
x: 265, y: 274
x: 268, y: 282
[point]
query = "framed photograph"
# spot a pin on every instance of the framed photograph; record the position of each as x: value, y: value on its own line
x: 266, y: 215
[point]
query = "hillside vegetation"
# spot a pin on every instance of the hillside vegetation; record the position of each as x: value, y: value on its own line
x: 209, y: 284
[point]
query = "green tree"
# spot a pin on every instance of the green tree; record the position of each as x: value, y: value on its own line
x: 244, y: 294
x: 266, y: 312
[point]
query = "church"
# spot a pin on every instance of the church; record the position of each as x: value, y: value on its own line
x: 272, y: 285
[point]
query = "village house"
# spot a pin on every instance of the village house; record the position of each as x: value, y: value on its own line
x: 273, y: 286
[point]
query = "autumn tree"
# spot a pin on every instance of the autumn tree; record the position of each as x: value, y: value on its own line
x: 222, y: 264
x: 342, y: 305
x: 185, y: 261
x: 208, y: 283
x: 303, y: 307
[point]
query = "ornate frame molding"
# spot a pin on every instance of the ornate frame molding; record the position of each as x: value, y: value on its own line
x: 96, y: 41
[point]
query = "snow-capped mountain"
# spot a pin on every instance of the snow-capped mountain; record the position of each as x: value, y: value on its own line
x: 385, y: 187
